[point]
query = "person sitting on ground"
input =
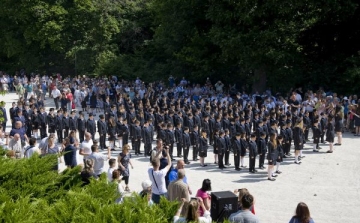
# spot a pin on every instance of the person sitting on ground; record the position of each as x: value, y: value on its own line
x: 191, y: 212
x: 244, y: 215
x: 302, y: 214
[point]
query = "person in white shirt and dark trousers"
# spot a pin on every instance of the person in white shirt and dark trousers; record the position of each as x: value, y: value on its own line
x: 157, y: 178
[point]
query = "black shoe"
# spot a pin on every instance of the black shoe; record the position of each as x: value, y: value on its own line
x: 173, y: 159
x: 298, y: 162
x: 180, y: 156
x: 243, y: 166
x: 187, y: 162
x: 255, y: 171
x: 229, y: 164
x: 203, y: 165
x: 195, y: 159
x: 140, y: 153
x: 113, y: 150
x: 271, y: 179
x: 237, y: 169
x: 314, y: 150
x: 278, y: 172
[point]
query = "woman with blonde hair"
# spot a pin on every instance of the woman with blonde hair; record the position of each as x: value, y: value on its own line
x: 124, y: 159
x: 191, y: 212
x: 88, y: 172
x: 241, y: 192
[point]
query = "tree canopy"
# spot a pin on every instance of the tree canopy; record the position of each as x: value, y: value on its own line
x: 308, y: 43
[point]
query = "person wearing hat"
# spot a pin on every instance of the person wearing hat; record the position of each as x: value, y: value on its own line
x: 146, y: 191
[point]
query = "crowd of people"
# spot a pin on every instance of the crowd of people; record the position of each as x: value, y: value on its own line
x: 188, y: 121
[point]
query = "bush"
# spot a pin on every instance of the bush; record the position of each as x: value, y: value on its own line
x: 30, y: 191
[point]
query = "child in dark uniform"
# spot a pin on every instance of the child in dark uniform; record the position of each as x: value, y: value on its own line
x: 262, y: 150
x: 252, y: 153
x: 280, y: 153
x: 289, y: 133
x: 330, y: 134
x: 298, y: 139
x: 216, y: 151
x: 244, y: 147
x: 271, y: 156
x: 317, y: 135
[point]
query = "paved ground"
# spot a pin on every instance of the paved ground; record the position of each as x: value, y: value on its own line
x: 328, y: 183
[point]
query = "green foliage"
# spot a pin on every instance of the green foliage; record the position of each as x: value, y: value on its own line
x: 30, y: 191
x: 309, y: 43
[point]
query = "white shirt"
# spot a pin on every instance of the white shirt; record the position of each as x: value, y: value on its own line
x: 206, y: 218
x: 158, y: 181
x: 31, y: 151
x: 141, y: 93
x: 55, y: 93
x: 109, y: 173
x: 86, y: 147
x: 99, y: 161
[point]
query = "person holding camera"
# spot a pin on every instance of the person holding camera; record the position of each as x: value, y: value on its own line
x: 191, y: 212
x: 157, y: 175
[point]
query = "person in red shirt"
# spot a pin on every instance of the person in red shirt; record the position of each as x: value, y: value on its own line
x: 70, y: 98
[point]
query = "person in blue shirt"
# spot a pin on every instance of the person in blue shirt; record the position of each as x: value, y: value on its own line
x: 173, y: 173
x: 302, y: 214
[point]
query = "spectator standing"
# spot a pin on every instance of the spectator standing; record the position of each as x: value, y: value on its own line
x: 55, y: 94
x: 31, y: 149
x: 219, y: 87
x: 157, y: 178
x: 15, y: 145
x: 177, y: 188
x: 99, y: 159
x: 70, y: 152
x: 85, y: 147
x: 124, y: 159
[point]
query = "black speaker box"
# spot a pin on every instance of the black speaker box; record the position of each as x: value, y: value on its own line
x: 223, y: 204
